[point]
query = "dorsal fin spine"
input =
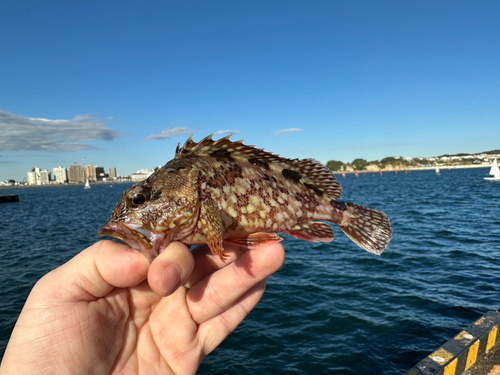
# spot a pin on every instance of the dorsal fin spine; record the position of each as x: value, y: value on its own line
x: 312, y: 173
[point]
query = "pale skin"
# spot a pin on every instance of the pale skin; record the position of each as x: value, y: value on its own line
x: 109, y: 311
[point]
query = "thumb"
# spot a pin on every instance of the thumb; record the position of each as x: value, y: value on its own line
x: 170, y: 269
x: 95, y: 272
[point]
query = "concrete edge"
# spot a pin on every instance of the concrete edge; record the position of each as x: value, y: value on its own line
x: 462, y: 351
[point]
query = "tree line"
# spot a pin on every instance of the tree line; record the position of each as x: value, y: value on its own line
x: 395, y: 162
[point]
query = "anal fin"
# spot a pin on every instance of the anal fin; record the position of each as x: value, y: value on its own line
x: 312, y: 231
x: 257, y: 239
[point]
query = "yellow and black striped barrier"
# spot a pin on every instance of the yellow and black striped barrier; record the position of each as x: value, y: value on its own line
x: 461, y: 352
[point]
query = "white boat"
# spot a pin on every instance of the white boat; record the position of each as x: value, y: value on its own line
x: 494, y: 171
x: 437, y: 171
x: 87, y: 185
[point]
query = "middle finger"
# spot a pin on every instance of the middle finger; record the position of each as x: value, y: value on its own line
x: 220, y: 290
x: 207, y: 263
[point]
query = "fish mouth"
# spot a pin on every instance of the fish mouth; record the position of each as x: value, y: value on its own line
x: 138, y: 238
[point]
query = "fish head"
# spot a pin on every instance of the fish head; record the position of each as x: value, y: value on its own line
x: 157, y: 211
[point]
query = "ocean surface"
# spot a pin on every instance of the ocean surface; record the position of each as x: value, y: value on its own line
x: 332, y: 308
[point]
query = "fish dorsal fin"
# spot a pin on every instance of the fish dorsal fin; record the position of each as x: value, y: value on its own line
x: 317, y: 177
x: 224, y: 146
x: 310, y: 172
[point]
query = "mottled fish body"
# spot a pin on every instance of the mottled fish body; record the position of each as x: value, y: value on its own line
x: 216, y: 191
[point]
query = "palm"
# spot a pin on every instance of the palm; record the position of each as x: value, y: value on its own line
x: 122, y: 333
x: 108, y: 316
x: 152, y: 344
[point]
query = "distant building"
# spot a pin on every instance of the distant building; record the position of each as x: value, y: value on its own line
x: 90, y: 173
x: 101, y: 174
x: 38, y: 177
x: 33, y: 177
x: 112, y: 172
x: 76, y: 174
x: 9, y: 183
x: 60, y: 175
x: 45, y: 177
x: 140, y: 175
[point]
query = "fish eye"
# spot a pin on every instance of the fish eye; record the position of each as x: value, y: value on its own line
x: 138, y: 197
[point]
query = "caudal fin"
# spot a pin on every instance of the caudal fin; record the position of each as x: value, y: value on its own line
x: 368, y: 228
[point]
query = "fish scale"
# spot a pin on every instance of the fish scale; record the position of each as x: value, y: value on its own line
x: 225, y: 191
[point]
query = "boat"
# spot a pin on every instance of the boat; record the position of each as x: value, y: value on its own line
x: 87, y: 185
x: 494, y: 171
x: 437, y: 171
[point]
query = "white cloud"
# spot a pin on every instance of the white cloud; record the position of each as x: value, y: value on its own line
x: 167, y: 133
x: 227, y: 132
x: 18, y: 133
x: 286, y: 131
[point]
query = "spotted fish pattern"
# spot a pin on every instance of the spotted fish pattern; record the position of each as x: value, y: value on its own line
x: 218, y: 191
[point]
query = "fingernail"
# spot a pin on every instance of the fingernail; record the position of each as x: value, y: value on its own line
x: 170, y: 279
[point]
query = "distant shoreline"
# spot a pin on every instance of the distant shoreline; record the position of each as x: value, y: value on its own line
x: 431, y: 168
x: 64, y: 185
x: 442, y: 167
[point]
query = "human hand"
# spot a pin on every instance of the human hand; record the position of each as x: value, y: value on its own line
x: 109, y: 311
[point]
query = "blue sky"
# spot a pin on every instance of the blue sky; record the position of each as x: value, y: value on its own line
x: 120, y: 83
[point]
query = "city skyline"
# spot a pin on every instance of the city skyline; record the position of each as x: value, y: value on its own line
x: 122, y: 84
x: 75, y: 173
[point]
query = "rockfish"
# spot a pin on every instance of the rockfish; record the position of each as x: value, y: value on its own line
x: 217, y: 191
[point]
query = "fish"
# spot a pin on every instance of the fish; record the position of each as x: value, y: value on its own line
x: 216, y: 192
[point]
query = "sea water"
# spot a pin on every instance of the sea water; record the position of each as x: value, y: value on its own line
x: 331, y: 308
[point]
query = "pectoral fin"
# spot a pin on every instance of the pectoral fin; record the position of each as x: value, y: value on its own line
x: 312, y: 231
x: 211, y: 226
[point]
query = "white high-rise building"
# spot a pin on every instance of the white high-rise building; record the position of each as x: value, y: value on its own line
x: 44, y: 177
x: 31, y: 178
x: 60, y: 175
x: 34, y: 177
